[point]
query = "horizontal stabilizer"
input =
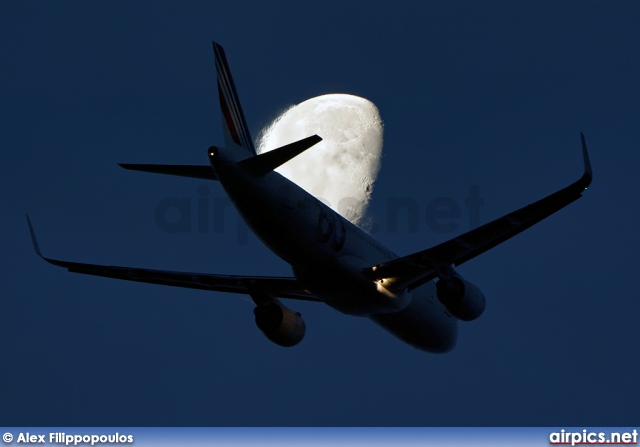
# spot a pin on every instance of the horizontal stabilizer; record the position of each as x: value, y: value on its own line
x: 194, y: 171
x: 268, y: 161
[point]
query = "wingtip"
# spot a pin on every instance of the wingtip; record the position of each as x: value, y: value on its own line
x: 36, y: 247
x: 588, y: 171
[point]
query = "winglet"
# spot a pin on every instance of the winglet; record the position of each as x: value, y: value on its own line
x: 33, y: 238
x: 585, y: 181
x: 585, y: 154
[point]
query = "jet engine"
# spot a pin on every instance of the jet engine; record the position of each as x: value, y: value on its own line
x: 278, y: 323
x: 461, y: 298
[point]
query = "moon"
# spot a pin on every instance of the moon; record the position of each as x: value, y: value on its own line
x: 342, y: 169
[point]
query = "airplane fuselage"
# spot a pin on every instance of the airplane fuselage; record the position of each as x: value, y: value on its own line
x: 328, y: 254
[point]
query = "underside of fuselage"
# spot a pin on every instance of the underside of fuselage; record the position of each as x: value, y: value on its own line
x: 424, y: 324
x: 285, y: 218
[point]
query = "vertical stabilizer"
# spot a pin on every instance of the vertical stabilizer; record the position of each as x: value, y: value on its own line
x: 233, y: 122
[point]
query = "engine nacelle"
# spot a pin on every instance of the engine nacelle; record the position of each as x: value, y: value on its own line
x: 461, y: 298
x: 279, y: 324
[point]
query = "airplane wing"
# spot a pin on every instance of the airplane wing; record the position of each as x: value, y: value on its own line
x: 418, y: 268
x: 281, y: 287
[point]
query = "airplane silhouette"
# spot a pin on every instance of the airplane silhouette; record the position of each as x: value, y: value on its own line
x: 333, y: 261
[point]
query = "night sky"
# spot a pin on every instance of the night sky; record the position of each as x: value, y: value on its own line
x: 490, y: 96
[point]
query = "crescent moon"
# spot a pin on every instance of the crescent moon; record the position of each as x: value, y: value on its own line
x: 342, y: 169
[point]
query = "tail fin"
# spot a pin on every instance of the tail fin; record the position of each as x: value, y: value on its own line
x: 233, y: 122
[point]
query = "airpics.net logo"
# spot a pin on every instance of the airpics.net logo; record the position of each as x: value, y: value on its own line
x: 586, y: 437
x: 203, y: 213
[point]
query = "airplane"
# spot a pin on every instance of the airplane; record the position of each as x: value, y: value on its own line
x: 419, y: 298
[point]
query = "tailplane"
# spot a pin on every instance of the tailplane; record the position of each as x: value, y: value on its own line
x: 236, y: 134
x: 193, y: 171
x: 268, y: 161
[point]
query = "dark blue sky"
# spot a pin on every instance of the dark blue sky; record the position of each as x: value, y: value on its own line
x: 492, y: 95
